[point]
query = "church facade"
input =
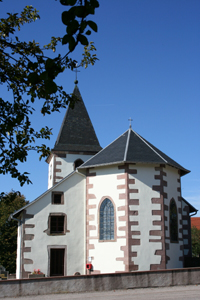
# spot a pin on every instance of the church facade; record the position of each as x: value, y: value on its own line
x: 117, y: 209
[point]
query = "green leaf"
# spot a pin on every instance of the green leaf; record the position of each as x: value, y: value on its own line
x: 33, y: 78
x: 91, y: 11
x: 68, y: 2
x: 32, y: 66
x: 83, y: 26
x: 88, y: 32
x: 80, y: 11
x: 50, y: 87
x: 72, y: 27
x: 66, y: 18
x: 49, y: 64
x: 72, y: 43
x: 82, y: 39
x: 94, y: 3
x: 65, y: 39
x: 68, y: 39
x: 92, y: 25
x: 44, y: 75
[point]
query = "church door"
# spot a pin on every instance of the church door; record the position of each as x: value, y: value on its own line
x: 57, y: 260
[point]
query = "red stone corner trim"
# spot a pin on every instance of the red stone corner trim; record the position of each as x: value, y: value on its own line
x: 160, y: 188
x: 89, y: 218
x: 129, y: 253
x: 26, y: 237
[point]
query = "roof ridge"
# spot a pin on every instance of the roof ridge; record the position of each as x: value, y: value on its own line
x: 76, y: 89
x: 150, y: 147
x: 127, y: 144
x: 61, y: 127
x: 101, y: 150
x: 130, y: 147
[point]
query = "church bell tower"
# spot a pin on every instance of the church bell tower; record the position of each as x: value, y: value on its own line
x: 75, y: 144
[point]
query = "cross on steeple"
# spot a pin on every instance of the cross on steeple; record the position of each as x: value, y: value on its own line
x: 76, y: 70
x: 130, y: 120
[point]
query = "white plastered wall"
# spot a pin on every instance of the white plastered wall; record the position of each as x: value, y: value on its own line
x: 105, y: 253
x: 144, y: 180
x: 105, y: 184
x: 67, y: 164
x: 50, y: 172
x: 74, y: 207
x: 174, y: 251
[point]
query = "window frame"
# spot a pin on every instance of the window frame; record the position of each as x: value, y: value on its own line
x: 65, y: 230
x: 49, y: 247
x: 99, y: 220
x: 61, y: 199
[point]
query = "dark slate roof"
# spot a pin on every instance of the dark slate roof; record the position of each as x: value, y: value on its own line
x: 77, y: 132
x: 130, y: 147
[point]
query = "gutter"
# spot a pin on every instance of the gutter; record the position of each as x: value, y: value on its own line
x: 194, y: 213
x: 15, y: 219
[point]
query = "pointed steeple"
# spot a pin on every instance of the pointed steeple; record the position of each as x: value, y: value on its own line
x: 77, y: 132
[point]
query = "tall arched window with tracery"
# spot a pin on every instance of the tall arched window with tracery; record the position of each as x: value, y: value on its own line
x: 173, y: 221
x: 106, y: 220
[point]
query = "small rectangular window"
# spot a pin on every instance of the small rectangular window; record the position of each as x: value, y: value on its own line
x: 57, y: 198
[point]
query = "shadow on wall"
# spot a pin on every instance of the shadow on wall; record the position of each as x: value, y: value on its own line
x: 191, y: 262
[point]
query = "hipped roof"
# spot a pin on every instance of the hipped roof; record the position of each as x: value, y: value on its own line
x: 130, y: 147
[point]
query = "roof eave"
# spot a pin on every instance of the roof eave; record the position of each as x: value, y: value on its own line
x: 192, y: 208
x: 101, y: 165
x: 182, y: 170
x: 48, y: 159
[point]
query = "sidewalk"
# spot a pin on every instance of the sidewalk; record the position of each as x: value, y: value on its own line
x: 191, y: 292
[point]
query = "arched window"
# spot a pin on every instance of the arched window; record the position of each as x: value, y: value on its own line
x: 106, y: 220
x: 173, y: 221
x: 78, y: 163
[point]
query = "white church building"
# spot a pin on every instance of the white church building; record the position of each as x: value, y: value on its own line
x: 117, y: 209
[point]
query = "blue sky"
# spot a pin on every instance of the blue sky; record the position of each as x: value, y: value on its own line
x: 148, y: 69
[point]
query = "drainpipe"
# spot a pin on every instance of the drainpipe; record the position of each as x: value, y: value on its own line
x: 18, y: 273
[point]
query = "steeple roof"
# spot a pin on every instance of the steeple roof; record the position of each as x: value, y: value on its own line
x: 77, y: 132
x: 130, y: 147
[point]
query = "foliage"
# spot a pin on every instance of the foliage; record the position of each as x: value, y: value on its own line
x: 195, y: 233
x: 75, y: 20
x: 8, y: 229
x: 30, y: 75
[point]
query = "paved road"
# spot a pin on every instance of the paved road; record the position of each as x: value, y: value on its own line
x: 182, y: 292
